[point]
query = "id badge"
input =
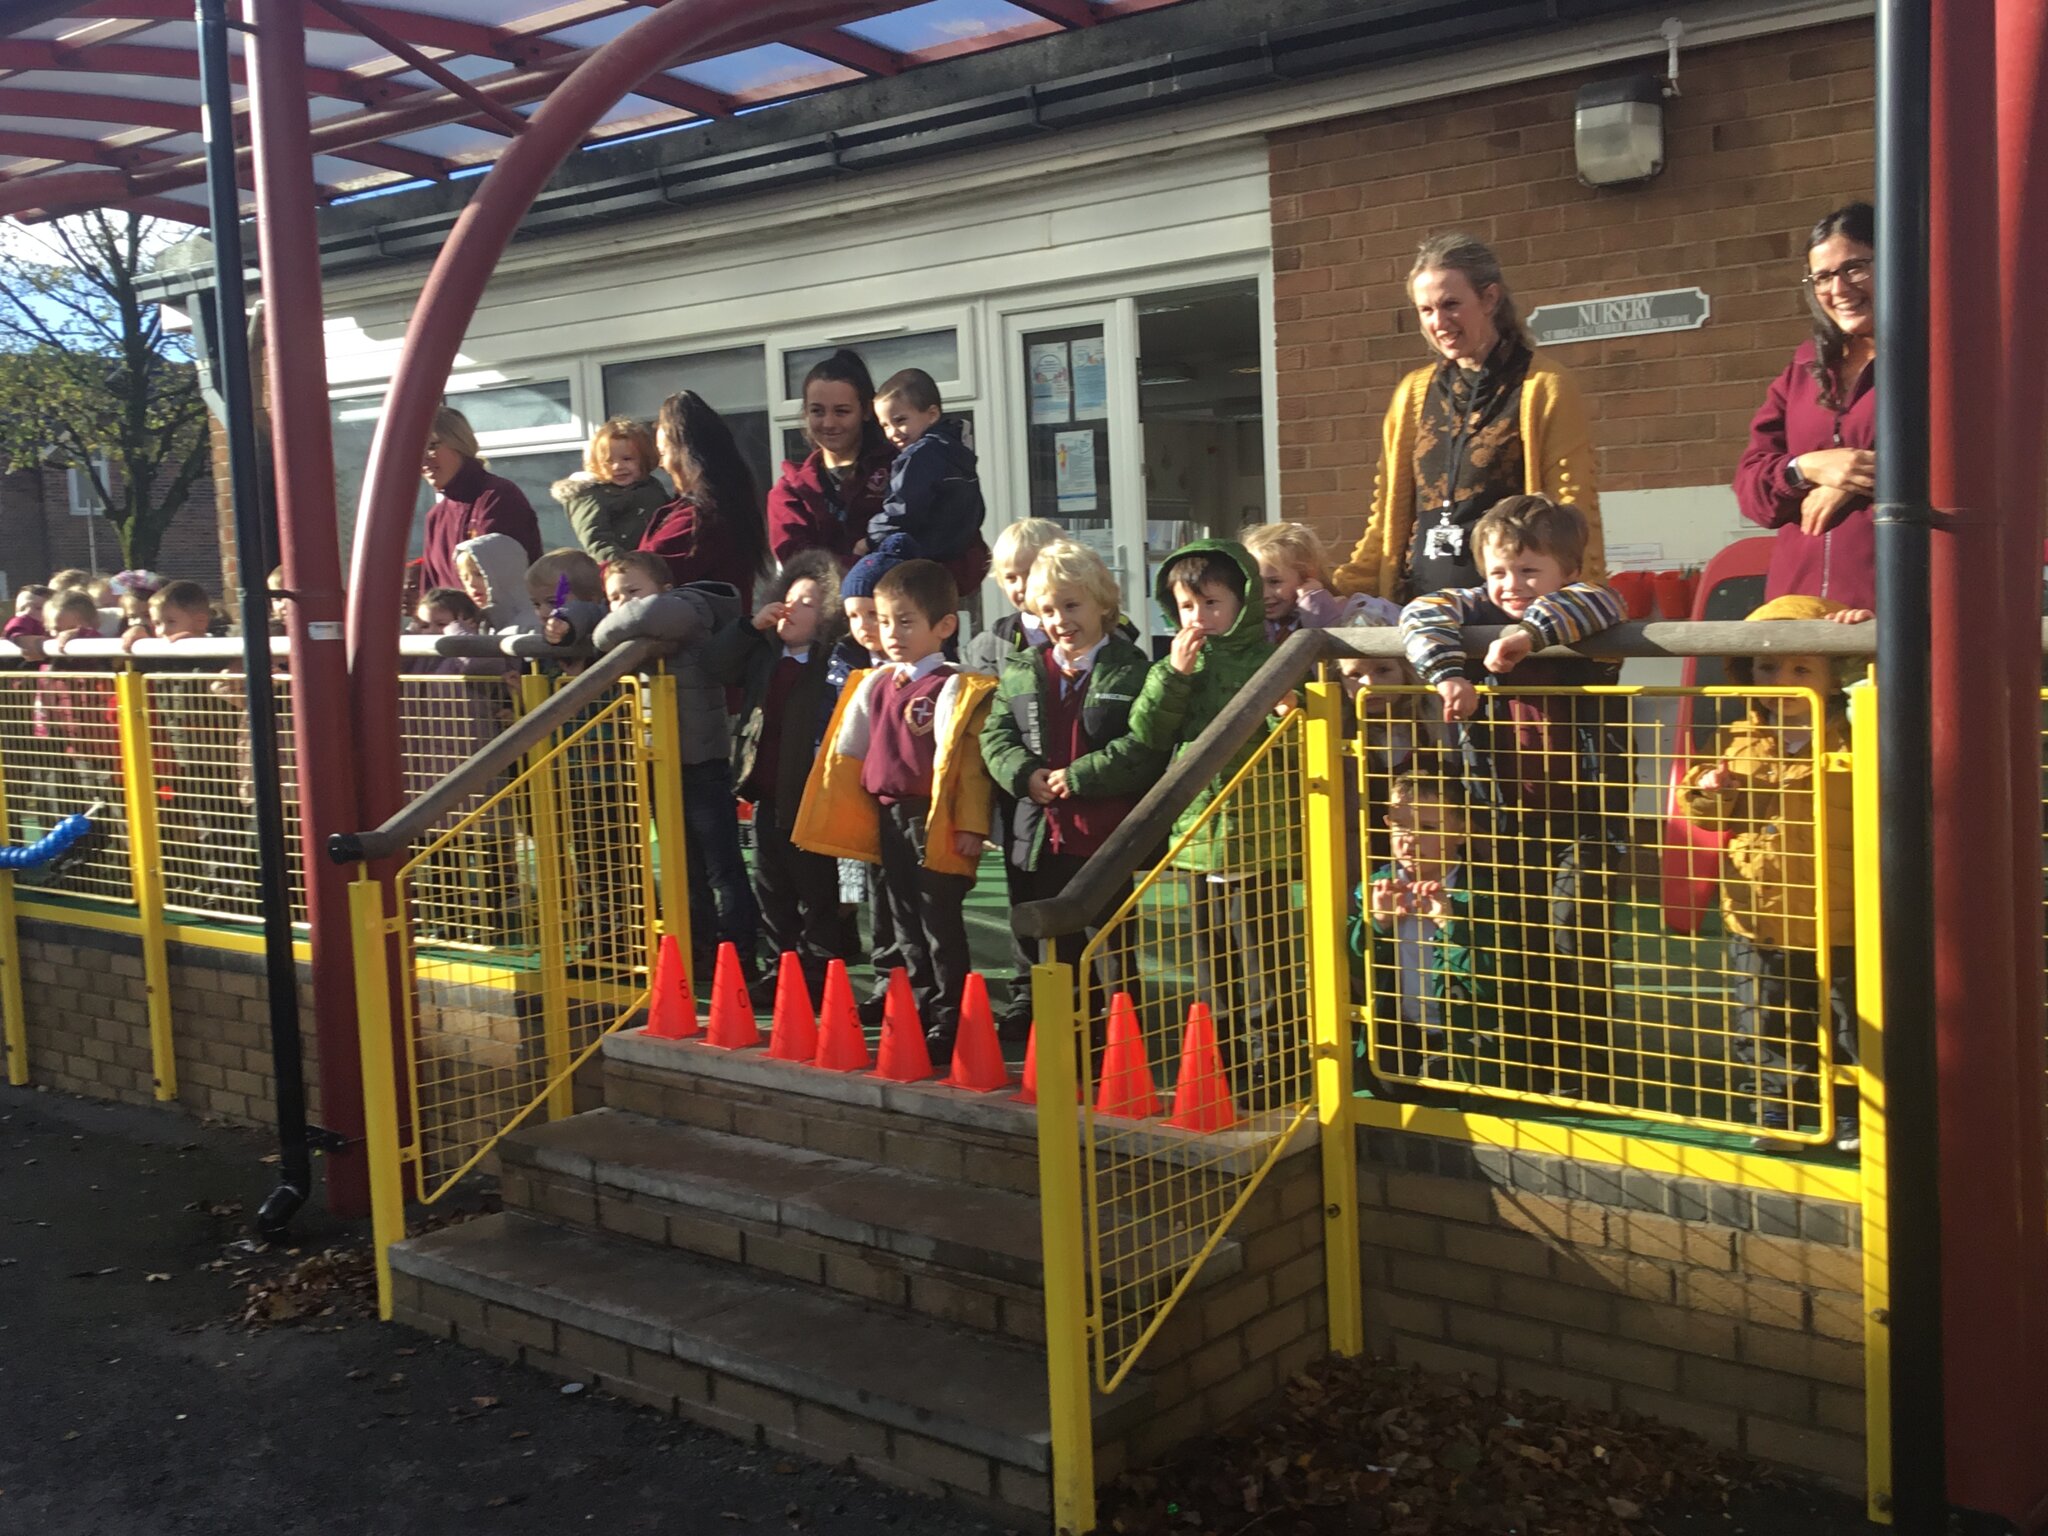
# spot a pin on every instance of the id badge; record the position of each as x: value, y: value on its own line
x: 1446, y: 541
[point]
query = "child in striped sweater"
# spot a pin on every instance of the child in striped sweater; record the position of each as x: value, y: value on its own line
x: 1553, y: 766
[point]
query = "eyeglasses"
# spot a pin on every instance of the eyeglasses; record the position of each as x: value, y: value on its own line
x: 1856, y: 273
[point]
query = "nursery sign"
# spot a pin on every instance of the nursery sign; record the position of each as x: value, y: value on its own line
x: 1631, y: 314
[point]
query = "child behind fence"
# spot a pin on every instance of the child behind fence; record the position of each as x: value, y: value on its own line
x: 1553, y: 767
x: 1758, y: 789
x: 76, y: 722
x: 1294, y: 573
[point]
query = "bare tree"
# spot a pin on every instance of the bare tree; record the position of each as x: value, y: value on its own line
x: 90, y: 378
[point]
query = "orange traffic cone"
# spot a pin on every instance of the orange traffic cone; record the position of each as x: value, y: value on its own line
x: 794, y: 1034
x: 1126, y: 1085
x: 732, y: 1016
x: 841, y: 1045
x: 671, y: 1011
x: 1201, y: 1099
x: 902, y: 1057
x: 978, y: 1064
x: 1027, y: 1091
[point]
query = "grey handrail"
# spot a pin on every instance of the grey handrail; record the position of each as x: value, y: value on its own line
x: 1140, y: 835
x: 494, y: 757
x: 229, y: 648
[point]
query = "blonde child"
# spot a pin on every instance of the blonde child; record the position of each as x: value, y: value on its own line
x: 566, y: 587
x: 1758, y: 788
x: 611, y: 501
x: 1058, y: 741
x: 1294, y: 573
x: 492, y: 570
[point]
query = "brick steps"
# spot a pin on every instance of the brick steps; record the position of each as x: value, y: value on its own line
x: 908, y: 1399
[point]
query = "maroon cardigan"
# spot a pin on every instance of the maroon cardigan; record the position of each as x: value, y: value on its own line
x: 805, y: 509
x: 1842, y: 563
x: 475, y: 502
x: 672, y: 534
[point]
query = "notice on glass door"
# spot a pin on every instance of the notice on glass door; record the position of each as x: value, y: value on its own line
x: 1074, y: 472
x: 1091, y: 379
x: 1052, y: 385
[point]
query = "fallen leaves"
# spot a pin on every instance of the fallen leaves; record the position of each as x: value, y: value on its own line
x: 335, y: 1282
x: 1363, y: 1449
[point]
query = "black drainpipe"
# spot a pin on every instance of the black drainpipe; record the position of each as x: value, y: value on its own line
x: 280, y: 966
x: 1905, y: 767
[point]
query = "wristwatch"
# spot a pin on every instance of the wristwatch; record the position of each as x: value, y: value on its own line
x: 1792, y: 473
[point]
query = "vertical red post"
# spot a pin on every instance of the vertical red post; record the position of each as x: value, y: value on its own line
x: 310, y: 542
x: 1985, y: 1281
x: 2022, y: 59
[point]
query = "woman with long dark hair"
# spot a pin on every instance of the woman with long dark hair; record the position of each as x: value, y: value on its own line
x: 825, y: 501
x: 714, y: 529
x: 1811, y: 467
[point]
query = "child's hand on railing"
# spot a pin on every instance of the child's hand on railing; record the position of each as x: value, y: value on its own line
x: 1039, y: 787
x: 556, y: 630
x: 1509, y: 651
x: 1849, y: 616
x: 1461, y: 699
x: 1391, y: 898
x: 1718, y: 777
x: 1429, y: 899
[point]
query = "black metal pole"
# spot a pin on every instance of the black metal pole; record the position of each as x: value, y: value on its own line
x: 280, y: 967
x: 1906, y: 766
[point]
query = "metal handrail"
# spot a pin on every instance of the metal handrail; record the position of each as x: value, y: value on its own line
x: 495, y: 757
x: 1138, y: 838
x: 229, y: 648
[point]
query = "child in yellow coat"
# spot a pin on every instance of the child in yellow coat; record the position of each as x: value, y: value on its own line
x: 901, y: 784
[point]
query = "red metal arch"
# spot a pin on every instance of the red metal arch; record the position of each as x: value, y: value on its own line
x: 448, y: 301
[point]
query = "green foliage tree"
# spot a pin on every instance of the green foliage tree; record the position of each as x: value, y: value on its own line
x: 89, y: 377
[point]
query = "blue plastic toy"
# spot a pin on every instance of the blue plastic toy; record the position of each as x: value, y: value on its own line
x: 53, y: 844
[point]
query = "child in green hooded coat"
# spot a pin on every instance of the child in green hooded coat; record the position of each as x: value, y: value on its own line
x: 1240, y: 861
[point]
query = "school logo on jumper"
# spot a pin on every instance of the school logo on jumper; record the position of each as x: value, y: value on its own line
x: 920, y: 714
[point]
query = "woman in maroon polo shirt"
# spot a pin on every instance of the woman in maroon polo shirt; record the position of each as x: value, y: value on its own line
x: 714, y: 529
x: 1811, y: 468
x: 473, y: 501
x: 825, y: 501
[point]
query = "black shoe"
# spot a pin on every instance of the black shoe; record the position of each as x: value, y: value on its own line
x: 938, y: 1044
x: 871, y: 1011
x: 1013, y: 1024
x: 761, y: 991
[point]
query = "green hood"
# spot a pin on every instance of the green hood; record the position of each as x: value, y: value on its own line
x: 1250, y: 626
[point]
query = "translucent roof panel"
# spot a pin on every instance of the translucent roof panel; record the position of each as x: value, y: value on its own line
x: 122, y: 76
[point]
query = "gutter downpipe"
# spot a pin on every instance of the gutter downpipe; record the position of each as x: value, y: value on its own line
x: 1905, y: 766
x: 280, y: 966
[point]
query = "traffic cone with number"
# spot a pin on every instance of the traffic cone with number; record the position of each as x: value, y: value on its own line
x: 793, y: 1035
x: 1201, y: 1099
x: 732, y: 1016
x: 841, y: 1045
x: 671, y: 1011
x: 902, y: 1057
x: 978, y: 1064
x: 1126, y: 1086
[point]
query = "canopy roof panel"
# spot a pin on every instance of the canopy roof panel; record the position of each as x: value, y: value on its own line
x: 100, y: 100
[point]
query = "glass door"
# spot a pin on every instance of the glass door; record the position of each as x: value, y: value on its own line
x: 1073, y: 422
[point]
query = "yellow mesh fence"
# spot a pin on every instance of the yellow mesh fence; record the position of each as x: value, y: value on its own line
x: 1583, y: 898
x: 206, y: 795
x: 526, y: 935
x: 60, y: 749
x: 1193, y: 1029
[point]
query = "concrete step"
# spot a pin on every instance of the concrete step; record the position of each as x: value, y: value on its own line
x: 908, y: 1399
x: 985, y: 1139
x: 958, y: 1252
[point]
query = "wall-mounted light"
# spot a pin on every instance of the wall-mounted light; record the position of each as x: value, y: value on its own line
x: 1618, y: 130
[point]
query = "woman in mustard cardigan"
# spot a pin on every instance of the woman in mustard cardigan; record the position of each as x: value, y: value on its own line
x: 1488, y: 420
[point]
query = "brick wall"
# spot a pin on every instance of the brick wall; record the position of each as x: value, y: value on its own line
x: 190, y: 549
x: 1735, y: 1314
x: 1768, y: 135
x: 88, y: 1022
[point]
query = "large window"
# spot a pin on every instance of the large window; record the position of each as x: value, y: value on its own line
x: 732, y: 380
x: 936, y: 352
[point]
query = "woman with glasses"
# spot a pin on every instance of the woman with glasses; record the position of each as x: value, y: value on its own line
x: 1811, y: 467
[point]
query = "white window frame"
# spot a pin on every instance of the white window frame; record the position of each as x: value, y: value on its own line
x: 78, y: 488
x: 852, y: 330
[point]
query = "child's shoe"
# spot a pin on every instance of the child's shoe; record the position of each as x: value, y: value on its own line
x: 938, y: 1044
x: 1848, y: 1134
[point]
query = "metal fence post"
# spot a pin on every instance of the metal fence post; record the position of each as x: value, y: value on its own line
x: 13, y: 1011
x: 1328, y: 902
x: 1060, y: 1194
x: 1877, y: 1332
x: 368, y: 933
x: 146, y: 871
x: 549, y: 856
x: 665, y: 775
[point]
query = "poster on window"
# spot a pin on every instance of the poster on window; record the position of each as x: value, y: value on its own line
x: 1052, y: 386
x: 1091, y: 379
x: 1074, y: 472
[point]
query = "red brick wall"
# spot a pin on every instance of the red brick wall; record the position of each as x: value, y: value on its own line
x: 190, y: 548
x: 1768, y: 135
